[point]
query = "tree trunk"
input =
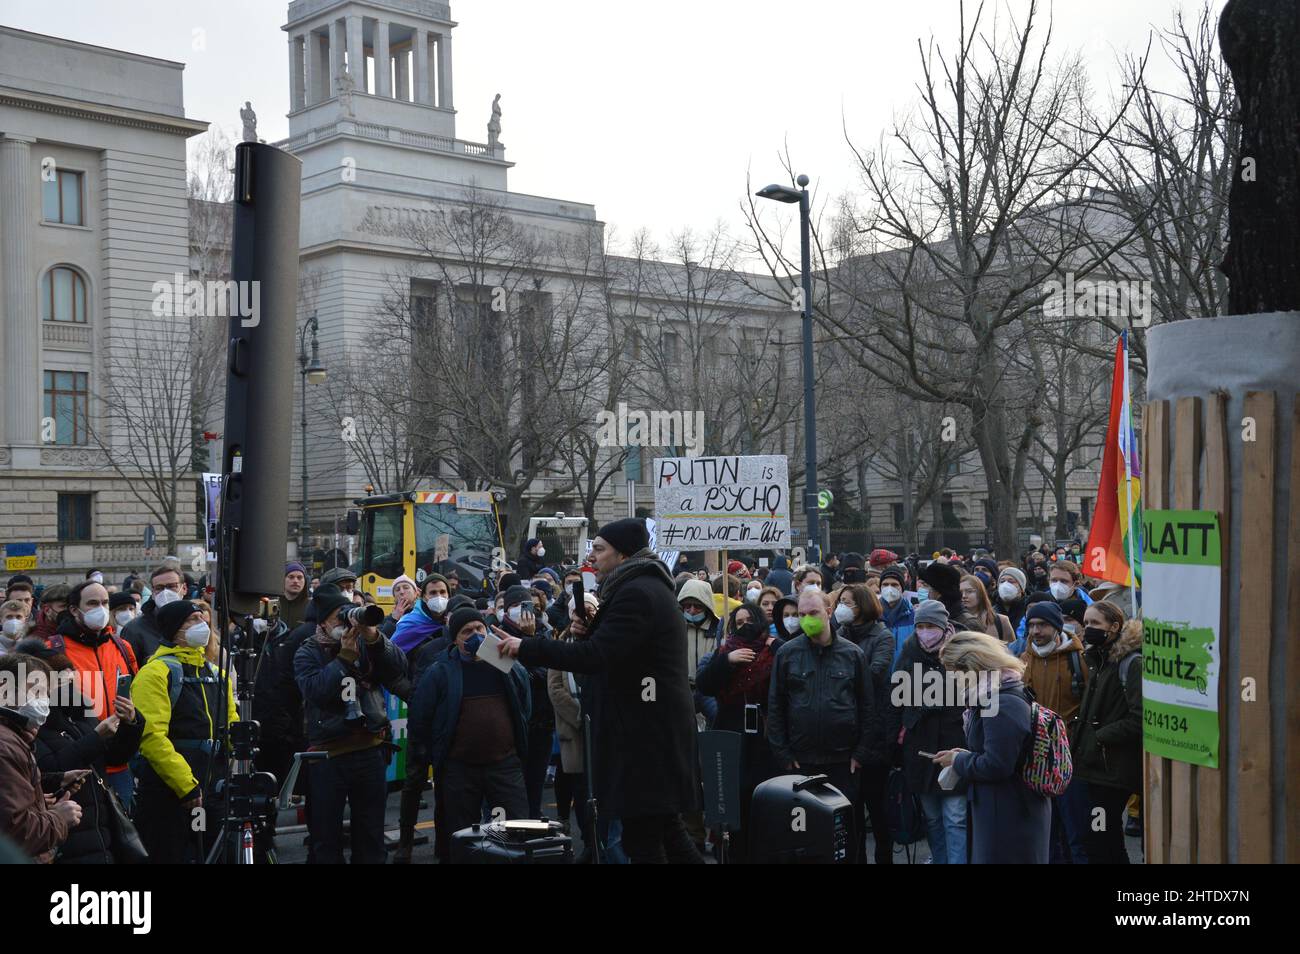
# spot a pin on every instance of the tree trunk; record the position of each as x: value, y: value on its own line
x: 936, y: 518
x: 1062, y: 501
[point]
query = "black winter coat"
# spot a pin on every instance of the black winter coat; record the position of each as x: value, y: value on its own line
x: 542, y: 713
x: 320, y: 672
x: 928, y: 728
x: 279, y: 713
x: 638, y: 694
x: 142, y: 633
x: 68, y: 741
x: 1107, y: 739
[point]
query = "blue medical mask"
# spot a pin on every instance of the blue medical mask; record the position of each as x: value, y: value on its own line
x: 922, y: 593
x: 470, y: 649
x: 695, y: 618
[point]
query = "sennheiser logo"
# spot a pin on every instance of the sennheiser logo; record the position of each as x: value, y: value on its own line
x: 77, y: 907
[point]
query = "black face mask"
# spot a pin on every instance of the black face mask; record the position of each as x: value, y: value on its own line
x: 1094, y: 636
x: 750, y: 632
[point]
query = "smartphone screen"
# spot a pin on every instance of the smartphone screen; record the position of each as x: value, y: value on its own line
x: 927, y: 755
x: 751, y: 719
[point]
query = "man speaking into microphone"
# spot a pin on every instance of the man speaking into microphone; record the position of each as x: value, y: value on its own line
x: 638, y: 695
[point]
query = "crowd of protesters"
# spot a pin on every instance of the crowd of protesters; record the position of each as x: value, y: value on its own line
x: 115, y: 731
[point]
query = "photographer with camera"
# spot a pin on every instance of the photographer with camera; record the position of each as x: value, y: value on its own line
x: 342, y: 672
x: 178, y: 692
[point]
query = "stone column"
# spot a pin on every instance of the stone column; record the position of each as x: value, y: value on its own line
x: 297, y: 93
x: 357, y: 54
x: 22, y: 326
x: 314, y: 67
x: 336, y: 55
x: 444, y: 71
x: 383, y: 64
x: 404, y: 75
x: 422, y: 67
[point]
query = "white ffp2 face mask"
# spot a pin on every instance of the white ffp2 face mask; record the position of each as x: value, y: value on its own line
x: 1060, y: 590
x: 436, y: 604
x: 123, y: 618
x: 197, y: 635
x: 162, y: 597
x: 791, y: 624
x: 95, y: 619
x: 1008, y: 591
x: 843, y: 614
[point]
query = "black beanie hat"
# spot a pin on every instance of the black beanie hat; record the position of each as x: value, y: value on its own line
x: 170, y: 618
x: 507, y: 581
x: 894, y: 572
x: 327, y: 599
x: 459, y: 600
x: 462, y: 618
x: 627, y: 536
x: 1047, y: 611
x: 120, y: 599
x: 516, y: 595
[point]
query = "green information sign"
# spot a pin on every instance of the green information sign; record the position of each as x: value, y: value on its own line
x: 1182, y: 584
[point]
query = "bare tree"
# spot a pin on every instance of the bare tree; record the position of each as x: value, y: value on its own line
x: 145, y: 425
x: 974, y: 202
x: 1166, y: 172
x: 210, y: 191
x: 501, y: 362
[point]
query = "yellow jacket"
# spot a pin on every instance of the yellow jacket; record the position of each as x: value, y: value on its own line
x: 151, y: 695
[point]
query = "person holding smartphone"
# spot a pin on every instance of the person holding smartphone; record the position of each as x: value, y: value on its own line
x: 739, y: 675
x: 37, y: 823
x: 77, y: 748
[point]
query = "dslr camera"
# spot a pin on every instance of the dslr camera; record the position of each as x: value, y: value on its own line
x: 361, y: 615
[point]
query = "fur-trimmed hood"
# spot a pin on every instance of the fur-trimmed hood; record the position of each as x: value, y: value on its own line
x: 1130, y: 640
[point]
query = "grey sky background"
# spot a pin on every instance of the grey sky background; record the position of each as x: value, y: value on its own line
x: 652, y: 111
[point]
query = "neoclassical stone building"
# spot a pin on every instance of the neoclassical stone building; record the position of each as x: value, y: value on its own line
x: 92, y: 214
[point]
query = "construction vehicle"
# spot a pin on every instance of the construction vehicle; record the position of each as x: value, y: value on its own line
x: 421, y: 532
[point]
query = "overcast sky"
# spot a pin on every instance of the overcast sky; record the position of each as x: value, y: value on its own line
x: 652, y: 111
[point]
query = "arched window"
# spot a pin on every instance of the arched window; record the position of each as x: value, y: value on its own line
x: 63, y: 295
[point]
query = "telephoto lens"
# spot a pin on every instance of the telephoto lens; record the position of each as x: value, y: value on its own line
x: 361, y: 615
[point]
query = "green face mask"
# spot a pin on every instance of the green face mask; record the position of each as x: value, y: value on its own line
x: 812, y: 625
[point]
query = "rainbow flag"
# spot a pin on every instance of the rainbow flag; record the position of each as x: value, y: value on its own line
x: 1115, y: 540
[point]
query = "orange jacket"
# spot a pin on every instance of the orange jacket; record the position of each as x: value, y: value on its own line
x: 98, y: 659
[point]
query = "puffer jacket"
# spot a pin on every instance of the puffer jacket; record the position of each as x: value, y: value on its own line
x: 1107, y: 739
x: 900, y: 617
x: 821, y: 706
x: 320, y: 671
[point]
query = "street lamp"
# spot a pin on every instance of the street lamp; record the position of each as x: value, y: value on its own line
x: 312, y: 372
x: 780, y: 193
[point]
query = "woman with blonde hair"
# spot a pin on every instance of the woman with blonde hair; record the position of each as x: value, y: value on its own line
x: 1011, y: 824
x: 975, y: 600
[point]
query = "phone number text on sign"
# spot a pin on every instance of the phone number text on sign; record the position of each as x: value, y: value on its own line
x: 711, y: 503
